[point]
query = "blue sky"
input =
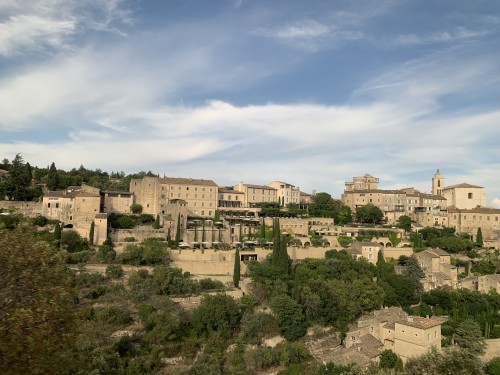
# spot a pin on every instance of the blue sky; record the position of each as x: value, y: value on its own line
x: 310, y: 92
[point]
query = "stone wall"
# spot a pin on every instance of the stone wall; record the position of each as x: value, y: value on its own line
x: 139, y: 233
x: 221, y: 262
x: 28, y: 209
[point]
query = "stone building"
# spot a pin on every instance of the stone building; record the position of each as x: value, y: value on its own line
x: 286, y: 193
x: 116, y: 201
x: 256, y: 194
x: 230, y: 199
x: 469, y: 220
x: 487, y: 283
x: 367, y: 250
x: 75, y: 208
x: 154, y: 193
x: 439, y: 271
x: 465, y: 196
x: 394, y: 203
x: 392, y: 328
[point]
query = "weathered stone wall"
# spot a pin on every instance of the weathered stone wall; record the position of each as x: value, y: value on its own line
x: 221, y: 262
x: 28, y: 209
x: 139, y: 233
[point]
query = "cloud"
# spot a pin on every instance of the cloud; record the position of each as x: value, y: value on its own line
x: 459, y: 34
x: 50, y: 25
x: 310, y: 34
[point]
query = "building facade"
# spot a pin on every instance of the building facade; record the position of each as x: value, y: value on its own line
x: 154, y: 194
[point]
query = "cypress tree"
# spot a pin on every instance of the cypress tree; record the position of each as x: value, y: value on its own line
x: 156, y: 224
x: 263, y: 229
x: 236, y: 271
x: 241, y: 234
x: 91, y: 234
x: 57, y: 234
x: 213, y: 234
x: 196, y: 233
x: 168, y: 235
x: 219, y: 236
x: 283, y: 255
x: 53, y: 178
x: 178, y: 231
x: 203, y: 233
x: 479, y: 238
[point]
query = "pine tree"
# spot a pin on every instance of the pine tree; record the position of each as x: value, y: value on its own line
x: 91, y: 234
x: 479, y: 238
x: 236, y: 271
x: 53, y: 178
x: 468, y: 336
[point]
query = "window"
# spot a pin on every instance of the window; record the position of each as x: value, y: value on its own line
x: 469, y: 195
x: 187, y: 188
x: 209, y: 213
x: 57, y: 205
x: 203, y: 212
x: 48, y: 205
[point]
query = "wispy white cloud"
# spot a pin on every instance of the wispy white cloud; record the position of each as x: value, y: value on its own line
x: 35, y: 26
x: 460, y: 33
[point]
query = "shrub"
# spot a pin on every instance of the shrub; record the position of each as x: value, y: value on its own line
x: 294, y: 352
x: 40, y: 221
x: 114, y: 271
x: 207, y: 284
x: 73, y: 242
x: 113, y: 315
x: 136, y: 208
x: 129, y: 239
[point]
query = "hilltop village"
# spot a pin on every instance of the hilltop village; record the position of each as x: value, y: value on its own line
x: 232, y: 232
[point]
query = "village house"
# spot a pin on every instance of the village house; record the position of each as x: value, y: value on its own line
x: 439, y: 271
x: 367, y: 250
x: 390, y: 328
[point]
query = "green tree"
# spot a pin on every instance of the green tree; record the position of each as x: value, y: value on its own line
x: 479, y: 238
x: 322, y: 205
x: 290, y: 318
x: 236, y: 270
x: 91, y: 233
x: 57, y: 234
x: 136, y: 208
x: 369, y: 214
x: 451, y: 361
x: 389, y: 359
x: 404, y: 222
x: 469, y: 337
x: 493, y: 367
x: 18, y: 180
x: 178, y: 230
x: 156, y: 224
x: 414, y: 272
x: 72, y: 241
x: 53, y: 178
x: 37, y: 312
x: 217, y: 313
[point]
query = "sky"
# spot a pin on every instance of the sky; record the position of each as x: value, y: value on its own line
x: 308, y: 92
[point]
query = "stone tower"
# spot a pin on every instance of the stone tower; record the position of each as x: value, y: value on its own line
x: 437, y: 183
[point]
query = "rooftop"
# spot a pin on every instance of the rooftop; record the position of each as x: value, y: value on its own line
x: 186, y: 181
